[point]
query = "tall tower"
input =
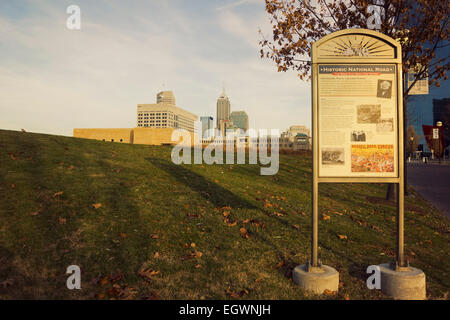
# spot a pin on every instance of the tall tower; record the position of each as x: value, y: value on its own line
x: 223, y: 108
x: 165, y: 97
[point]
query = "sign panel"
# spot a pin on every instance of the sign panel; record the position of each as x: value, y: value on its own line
x: 357, y: 120
x: 420, y: 87
x: 435, y: 133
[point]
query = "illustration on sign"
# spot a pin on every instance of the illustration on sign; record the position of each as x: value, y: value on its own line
x: 356, y: 112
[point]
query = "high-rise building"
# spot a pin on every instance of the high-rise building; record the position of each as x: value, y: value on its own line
x: 441, y: 112
x: 223, y: 109
x: 165, y: 114
x: 207, y: 124
x: 240, y: 119
x: 166, y: 97
x: 294, y: 130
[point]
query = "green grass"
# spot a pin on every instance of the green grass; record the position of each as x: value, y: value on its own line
x: 150, y: 205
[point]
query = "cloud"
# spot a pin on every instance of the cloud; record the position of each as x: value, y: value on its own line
x: 54, y: 80
x: 237, y: 3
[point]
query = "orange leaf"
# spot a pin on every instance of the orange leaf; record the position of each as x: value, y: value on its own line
x: 61, y: 220
x: 123, y: 235
x: 96, y: 205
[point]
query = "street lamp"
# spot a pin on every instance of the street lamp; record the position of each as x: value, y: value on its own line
x: 439, y: 125
x: 411, y: 139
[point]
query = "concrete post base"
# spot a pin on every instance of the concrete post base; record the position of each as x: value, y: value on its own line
x: 404, y: 283
x: 317, y: 280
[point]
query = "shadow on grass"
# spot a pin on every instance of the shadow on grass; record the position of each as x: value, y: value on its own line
x: 210, y: 191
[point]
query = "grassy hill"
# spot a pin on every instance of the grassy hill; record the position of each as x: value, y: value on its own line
x: 142, y: 227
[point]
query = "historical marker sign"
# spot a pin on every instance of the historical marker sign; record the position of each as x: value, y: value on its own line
x: 357, y: 120
x: 435, y: 133
x: 357, y: 117
x: 357, y: 125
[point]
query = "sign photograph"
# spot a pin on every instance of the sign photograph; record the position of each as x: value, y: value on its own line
x: 357, y: 112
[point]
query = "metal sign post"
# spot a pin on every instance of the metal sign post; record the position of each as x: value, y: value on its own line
x: 357, y: 110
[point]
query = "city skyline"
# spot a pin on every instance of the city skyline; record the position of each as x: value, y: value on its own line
x: 123, y: 55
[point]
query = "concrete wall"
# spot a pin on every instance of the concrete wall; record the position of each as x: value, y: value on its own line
x: 149, y: 136
x: 153, y: 136
x: 126, y: 135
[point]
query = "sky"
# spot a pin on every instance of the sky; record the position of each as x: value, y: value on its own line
x: 53, y: 79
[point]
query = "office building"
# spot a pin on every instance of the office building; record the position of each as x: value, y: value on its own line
x: 207, y: 124
x: 240, y: 119
x: 223, y: 109
x: 164, y: 114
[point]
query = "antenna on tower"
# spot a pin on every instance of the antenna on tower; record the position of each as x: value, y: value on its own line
x: 223, y: 89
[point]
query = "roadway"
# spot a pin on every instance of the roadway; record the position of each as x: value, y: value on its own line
x: 432, y: 181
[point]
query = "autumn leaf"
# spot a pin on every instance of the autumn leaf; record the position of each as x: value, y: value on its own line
x: 296, y: 226
x: 329, y: 292
x: 116, y: 277
x: 244, y: 233
x: 156, y: 255
x: 62, y: 220
x: 154, y: 236
x: 96, y: 205
x: 148, y: 274
x: 153, y: 296
x: 342, y: 237
x: 123, y: 235
x: 198, y: 266
x: 104, y: 281
x: 325, y: 217
x: 279, y: 264
x: 6, y: 283
x: 192, y: 245
x: 236, y: 295
x: 57, y: 194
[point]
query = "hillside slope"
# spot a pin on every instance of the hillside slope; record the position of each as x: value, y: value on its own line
x: 140, y: 226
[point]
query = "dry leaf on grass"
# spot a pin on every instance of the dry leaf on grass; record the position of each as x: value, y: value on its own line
x: 62, y: 220
x: 329, y: 292
x: 342, y: 237
x: 236, y: 295
x: 96, y: 205
x: 60, y: 193
x: 244, y: 233
x: 148, y: 273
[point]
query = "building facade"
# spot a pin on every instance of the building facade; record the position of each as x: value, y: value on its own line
x: 223, y: 109
x: 296, y: 138
x: 166, y: 97
x: 240, y: 119
x: 164, y: 114
x: 441, y: 112
x: 207, y: 123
